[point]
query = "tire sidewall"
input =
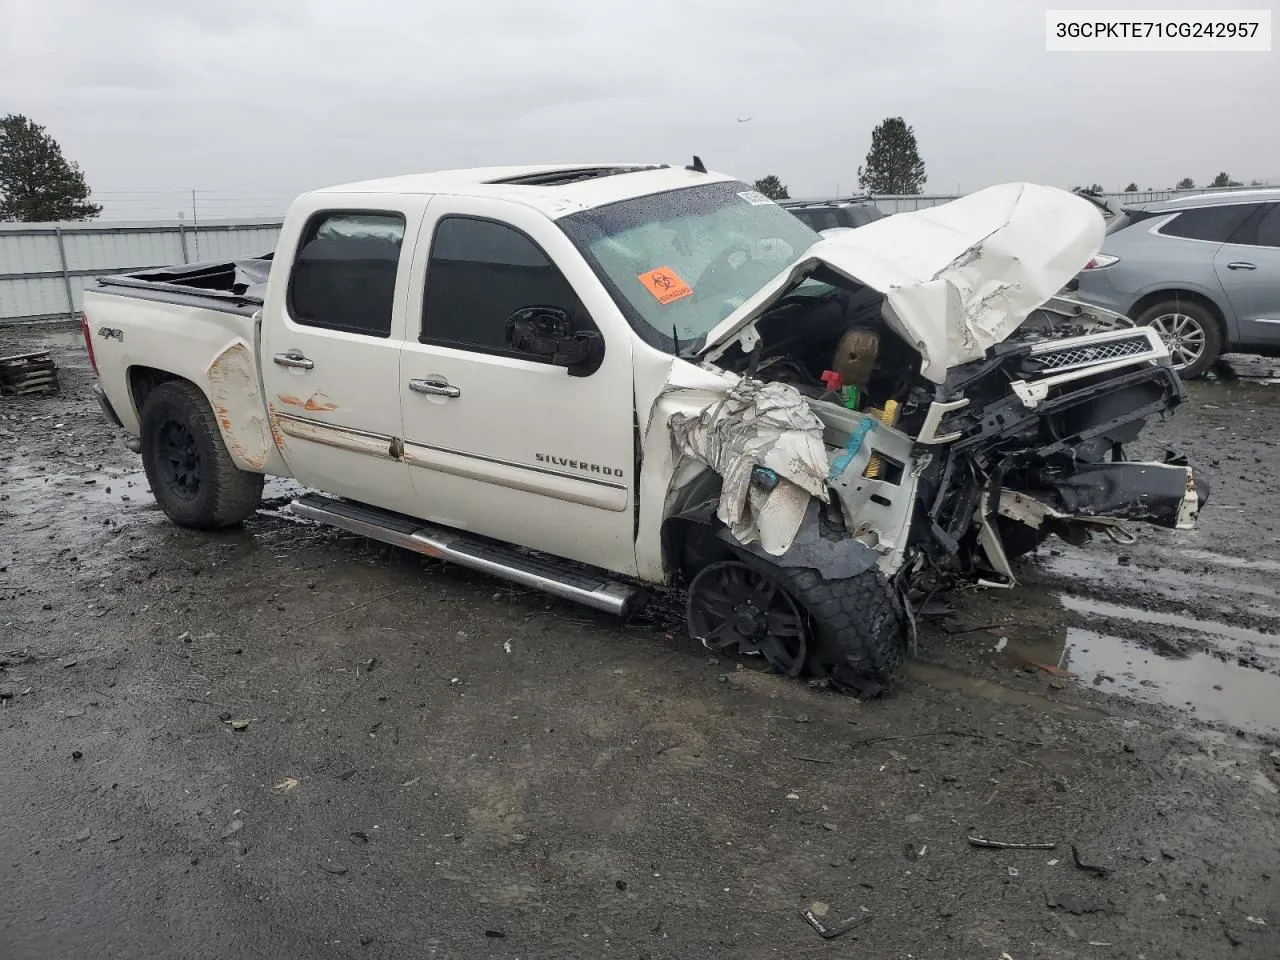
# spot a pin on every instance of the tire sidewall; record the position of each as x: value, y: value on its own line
x: 169, y: 404
x: 1212, y: 332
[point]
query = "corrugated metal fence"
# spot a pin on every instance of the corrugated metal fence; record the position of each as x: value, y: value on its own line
x: 44, y: 267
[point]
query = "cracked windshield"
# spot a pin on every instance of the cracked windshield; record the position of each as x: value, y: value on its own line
x: 682, y: 261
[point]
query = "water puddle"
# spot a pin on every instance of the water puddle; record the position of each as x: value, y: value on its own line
x: 1207, y: 687
x: 1243, y: 637
x: 1172, y: 583
x: 1168, y: 658
x: 120, y: 488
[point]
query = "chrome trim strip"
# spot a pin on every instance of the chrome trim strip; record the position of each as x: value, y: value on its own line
x: 509, y: 463
x: 344, y: 438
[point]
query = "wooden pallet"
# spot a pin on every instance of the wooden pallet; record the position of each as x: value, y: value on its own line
x: 28, y: 373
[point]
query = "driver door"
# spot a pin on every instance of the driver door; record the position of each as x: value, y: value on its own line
x: 502, y: 443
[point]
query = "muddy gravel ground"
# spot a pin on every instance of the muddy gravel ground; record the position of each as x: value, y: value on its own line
x: 285, y: 741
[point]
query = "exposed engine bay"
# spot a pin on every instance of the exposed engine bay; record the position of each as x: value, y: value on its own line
x: 1028, y: 441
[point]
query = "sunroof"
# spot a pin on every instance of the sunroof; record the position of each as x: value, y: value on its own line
x: 557, y: 178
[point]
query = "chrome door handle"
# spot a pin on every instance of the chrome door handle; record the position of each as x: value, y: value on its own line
x: 437, y: 388
x: 293, y: 359
x: 1242, y: 265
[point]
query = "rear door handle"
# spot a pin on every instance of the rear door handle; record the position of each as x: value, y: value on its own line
x: 293, y: 359
x: 436, y: 388
x: 1242, y: 265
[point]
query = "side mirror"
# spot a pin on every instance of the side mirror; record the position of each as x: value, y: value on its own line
x: 547, y: 332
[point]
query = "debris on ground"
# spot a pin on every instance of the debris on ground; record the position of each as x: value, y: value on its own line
x: 287, y: 784
x: 1002, y: 845
x: 1070, y: 903
x: 1088, y: 867
x: 829, y: 931
x: 231, y: 829
x: 335, y: 868
x: 28, y: 373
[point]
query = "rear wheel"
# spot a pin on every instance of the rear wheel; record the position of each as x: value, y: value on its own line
x: 192, y: 475
x: 1189, y: 330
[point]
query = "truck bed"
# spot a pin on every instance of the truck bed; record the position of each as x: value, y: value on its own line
x: 233, y: 286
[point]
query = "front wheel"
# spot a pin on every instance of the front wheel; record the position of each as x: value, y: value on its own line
x: 1190, y: 332
x: 848, y: 632
x: 192, y: 475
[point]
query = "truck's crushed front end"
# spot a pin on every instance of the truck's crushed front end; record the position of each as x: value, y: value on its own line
x: 893, y: 419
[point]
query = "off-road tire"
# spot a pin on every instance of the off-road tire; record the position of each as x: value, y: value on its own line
x: 858, y: 631
x: 1213, y: 344
x: 224, y: 495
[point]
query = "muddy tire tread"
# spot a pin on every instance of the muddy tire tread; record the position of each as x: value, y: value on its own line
x: 858, y: 629
x: 236, y: 493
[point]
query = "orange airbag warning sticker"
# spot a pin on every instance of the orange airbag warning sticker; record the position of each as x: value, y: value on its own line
x: 665, y: 285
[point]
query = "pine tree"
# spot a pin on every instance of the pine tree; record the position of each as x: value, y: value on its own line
x: 1131, y: 188
x: 36, y: 181
x: 1186, y: 183
x: 1223, y: 179
x: 773, y: 188
x: 893, y: 164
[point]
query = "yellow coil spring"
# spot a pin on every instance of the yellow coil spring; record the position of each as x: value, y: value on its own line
x: 888, y: 416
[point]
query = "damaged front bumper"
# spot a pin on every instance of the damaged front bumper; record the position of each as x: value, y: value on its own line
x: 1033, y: 436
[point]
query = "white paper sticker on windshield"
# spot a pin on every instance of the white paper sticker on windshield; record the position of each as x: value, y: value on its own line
x: 754, y: 197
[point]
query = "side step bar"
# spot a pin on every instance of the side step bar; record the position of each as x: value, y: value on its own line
x: 582, y: 585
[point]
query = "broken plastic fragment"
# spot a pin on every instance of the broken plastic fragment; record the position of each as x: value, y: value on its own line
x: 851, y: 448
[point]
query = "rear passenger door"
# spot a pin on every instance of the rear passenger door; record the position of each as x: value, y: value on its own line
x: 331, y: 340
x: 1248, y: 265
x: 503, y: 443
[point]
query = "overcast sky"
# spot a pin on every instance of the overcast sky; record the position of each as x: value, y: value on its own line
x: 251, y: 101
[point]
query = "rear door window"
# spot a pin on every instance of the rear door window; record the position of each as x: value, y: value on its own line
x: 1208, y: 223
x: 344, y: 274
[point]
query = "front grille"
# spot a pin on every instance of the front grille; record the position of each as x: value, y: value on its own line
x: 1089, y: 354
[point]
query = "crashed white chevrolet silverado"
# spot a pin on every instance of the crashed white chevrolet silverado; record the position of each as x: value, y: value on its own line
x: 589, y: 379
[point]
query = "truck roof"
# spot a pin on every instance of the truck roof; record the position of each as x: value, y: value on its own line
x: 555, y: 190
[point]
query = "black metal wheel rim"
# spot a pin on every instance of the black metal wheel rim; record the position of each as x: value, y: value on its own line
x: 178, y: 459
x: 734, y: 606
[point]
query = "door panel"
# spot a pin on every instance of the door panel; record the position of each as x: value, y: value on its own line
x: 1250, y: 273
x: 331, y: 353
x: 500, y: 443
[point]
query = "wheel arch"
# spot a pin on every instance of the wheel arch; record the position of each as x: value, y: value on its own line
x: 230, y: 386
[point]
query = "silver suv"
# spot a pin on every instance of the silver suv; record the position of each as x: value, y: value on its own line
x: 1204, y: 271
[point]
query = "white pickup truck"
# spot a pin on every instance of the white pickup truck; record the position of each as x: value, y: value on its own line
x: 589, y: 379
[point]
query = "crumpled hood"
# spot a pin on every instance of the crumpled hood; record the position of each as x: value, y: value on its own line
x: 957, y: 278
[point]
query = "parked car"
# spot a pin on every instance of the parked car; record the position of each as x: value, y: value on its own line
x: 592, y: 379
x: 1203, y: 271
x: 833, y: 215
